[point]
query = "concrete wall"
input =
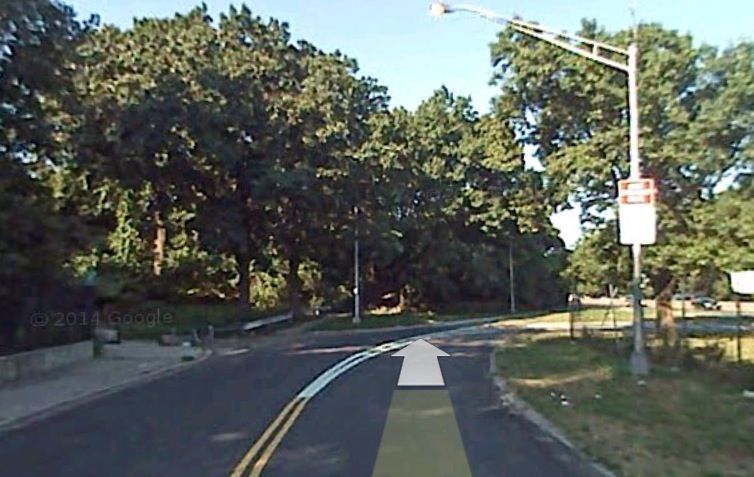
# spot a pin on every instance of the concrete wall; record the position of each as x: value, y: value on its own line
x: 20, y: 365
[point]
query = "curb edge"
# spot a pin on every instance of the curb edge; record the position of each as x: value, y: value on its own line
x: 517, y: 406
x: 47, y: 412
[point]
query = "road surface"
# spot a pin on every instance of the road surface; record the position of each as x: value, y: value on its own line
x: 204, y: 421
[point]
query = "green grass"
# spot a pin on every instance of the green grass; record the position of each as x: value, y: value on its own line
x: 691, y: 422
x: 151, y: 319
x: 591, y: 315
x: 371, y: 321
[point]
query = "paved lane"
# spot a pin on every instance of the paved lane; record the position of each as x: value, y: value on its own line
x: 202, y: 421
x: 421, y: 437
x: 340, y: 431
x: 497, y: 442
x: 196, y: 423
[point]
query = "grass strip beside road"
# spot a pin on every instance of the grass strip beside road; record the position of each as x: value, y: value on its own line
x: 683, y: 421
x: 152, y: 319
x: 371, y: 321
x: 590, y: 315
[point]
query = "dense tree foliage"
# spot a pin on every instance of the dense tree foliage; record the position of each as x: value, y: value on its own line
x: 697, y: 140
x: 38, y: 42
x: 217, y: 157
x: 194, y: 156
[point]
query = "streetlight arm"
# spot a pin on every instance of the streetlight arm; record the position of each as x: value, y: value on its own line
x: 572, y: 48
x: 542, y: 33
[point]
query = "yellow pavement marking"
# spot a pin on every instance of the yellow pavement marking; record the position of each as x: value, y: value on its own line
x: 256, y: 471
x: 257, y: 446
x: 291, y: 411
x: 421, y: 437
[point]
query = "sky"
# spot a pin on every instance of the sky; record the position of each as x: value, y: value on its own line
x: 412, y: 53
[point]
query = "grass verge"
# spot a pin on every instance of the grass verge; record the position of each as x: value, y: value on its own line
x: 371, y: 321
x: 592, y: 315
x: 151, y: 319
x: 683, y: 421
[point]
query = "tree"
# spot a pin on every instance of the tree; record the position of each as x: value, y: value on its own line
x: 37, y: 110
x: 240, y: 134
x: 598, y: 261
x: 186, y: 144
x: 696, y: 118
x: 138, y: 87
x: 452, y: 196
x: 325, y: 117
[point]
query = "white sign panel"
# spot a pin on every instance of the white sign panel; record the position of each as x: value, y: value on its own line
x: 742, y: 282
x: 637, y: 214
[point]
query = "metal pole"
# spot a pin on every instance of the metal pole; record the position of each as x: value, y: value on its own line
x: 633, y: 111
x: 356, y: 304
x: 638, y: 361
x: 356, y: 301
x: 738, y: 328
x: 511, y: 277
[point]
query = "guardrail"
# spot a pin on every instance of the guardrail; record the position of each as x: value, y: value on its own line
x: 257, y: 324
x: 212, y: 331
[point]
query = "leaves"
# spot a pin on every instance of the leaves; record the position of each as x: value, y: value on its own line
x: 697, y: 136
x: 241, y: 153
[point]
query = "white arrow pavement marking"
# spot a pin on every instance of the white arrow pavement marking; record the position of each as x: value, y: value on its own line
x: 420, y: 365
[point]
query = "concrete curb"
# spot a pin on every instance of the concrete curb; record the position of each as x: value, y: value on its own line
x: 517, y: 406
x: 63, y: 406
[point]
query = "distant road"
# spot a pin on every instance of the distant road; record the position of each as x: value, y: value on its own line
x: 727, y: 307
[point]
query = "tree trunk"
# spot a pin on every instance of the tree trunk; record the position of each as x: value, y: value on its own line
x: 158, y: 256
x: 244, y: 280
x: 294, y: 287
x: 402, y: 300
x: 665, y: 321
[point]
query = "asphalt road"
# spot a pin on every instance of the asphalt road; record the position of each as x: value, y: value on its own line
x: 202, y: 421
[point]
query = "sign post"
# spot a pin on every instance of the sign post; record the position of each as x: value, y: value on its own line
x: 637, y: 220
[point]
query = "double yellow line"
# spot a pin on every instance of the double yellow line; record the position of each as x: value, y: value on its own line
x: 271, y: 437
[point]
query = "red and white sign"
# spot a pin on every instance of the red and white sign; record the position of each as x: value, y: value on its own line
x: 637, y: 214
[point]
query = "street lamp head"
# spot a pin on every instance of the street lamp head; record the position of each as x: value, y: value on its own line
x: 437, y: 9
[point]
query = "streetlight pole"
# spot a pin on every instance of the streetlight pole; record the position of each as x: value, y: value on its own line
x: 574, y: 43
x: 511, y: 278
x: 639, y: 362
x: 356, y: 300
